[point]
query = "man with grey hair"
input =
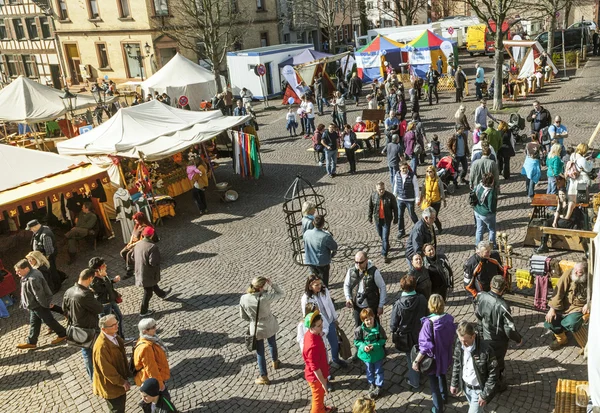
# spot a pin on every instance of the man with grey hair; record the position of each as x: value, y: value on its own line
x: 110, y: 365
x: 482, y: 166
x: 568, y: 305
x: 497, y: 324
x: 423, y: 232
x: 384, y: 210
x: 394, y: 151
x: 364, y: 287
x: 480, y: 268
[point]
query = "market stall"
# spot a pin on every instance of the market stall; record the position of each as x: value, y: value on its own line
x: 370, y: 59
x: 425, y: 50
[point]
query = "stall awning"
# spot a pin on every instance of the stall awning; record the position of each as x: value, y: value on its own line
x: 333, y: 58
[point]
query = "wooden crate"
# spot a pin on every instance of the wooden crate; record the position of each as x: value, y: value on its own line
x: 564, y: 401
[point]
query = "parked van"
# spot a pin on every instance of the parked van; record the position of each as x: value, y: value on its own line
x: 480, y: 40
x: 572, y: 39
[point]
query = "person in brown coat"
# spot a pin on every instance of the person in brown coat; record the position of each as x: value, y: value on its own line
x: 110, y: 366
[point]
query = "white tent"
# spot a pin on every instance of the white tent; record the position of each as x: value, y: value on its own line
x: 27, y: 101
x: 182, y: 77
x: 151, y: 131
x: 533, y: 50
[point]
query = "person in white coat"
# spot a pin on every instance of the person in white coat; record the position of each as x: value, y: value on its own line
x: 584, y: 165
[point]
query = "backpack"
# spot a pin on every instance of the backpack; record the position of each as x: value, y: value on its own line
x: 435, y: 148
x: 545, y: 138
x: 131, y: 365
x: 572, y: 170
x: 473, y: 198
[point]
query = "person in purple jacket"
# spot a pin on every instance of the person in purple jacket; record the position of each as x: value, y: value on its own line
x: 436, y: 339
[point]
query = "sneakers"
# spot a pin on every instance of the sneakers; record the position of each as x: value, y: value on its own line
x: 262, y: 380
x: 148, y: 314
x: 340, y: 364
x: 276, y: 364
x: 26, y: 346
x: 372, y: 388
x: 375, y: 393
x: 58, y: 340
x: 168, y: 292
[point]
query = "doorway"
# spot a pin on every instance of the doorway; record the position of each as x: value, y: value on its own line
x: 55, y: 76
x: 166, y: 54
x: 73, y: 61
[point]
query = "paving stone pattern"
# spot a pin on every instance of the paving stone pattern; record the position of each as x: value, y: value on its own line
x: 210, y: 260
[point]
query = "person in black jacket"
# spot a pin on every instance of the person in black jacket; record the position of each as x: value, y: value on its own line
x: 460, y: 79
x: 104, y: 290
x: 539, y: 117
x: 383, y: 209
x: 329, y: 140
x: 151, y: 394
x: 355, y: 87
x: 480, y: 268
x: 405, y: 322
x: 423, y: 232
x: 475, y: 369
x: 82, y: 310
x: 349, y: 143
x: 497, y: 324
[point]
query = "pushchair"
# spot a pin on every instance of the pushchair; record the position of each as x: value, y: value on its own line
x: 516, y: 124
x: 447, y: 173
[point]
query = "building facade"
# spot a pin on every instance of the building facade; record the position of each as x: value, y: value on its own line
x: 28, y: 43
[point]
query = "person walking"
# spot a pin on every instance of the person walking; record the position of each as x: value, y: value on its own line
x: 104, y: 290
x: 317, y: 296
x: 200, y: 176
x: 485, y: 210
x: 110, y: 366
x: 406, y: 190
x: 82, y: 310
x: 393, y: 151
x: 460, y: 118
x: 405, y: 323
x: 350, y: 145
x: 319, y: 248
x: 383, y: 208
x: 261, y: 321
x: 340, y: 109
x: 411, y: 147
x: 482, y: 166
x: 36, y: 297
x: 474, y: 368
x: 479, y: 79
x: 355, y: 87
x: 457, y: 145
x: 39, y: 262
x: 460, y: 79
x: 147, y: 270
x: 432, y: 77
x: 436, y: 340
x: 497, y: 324
x: 433, y: 194
x: 555, y: 168
x: 369, y: 339
x: 150, y: 359
x: 531, y: 167
x: 329, y: 140
x: 140, y: 222
x: 421, y: 233
x: 507, y: 150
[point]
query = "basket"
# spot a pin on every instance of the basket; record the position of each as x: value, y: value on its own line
x: 564, y: 401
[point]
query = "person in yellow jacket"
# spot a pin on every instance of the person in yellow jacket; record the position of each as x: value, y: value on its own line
x: 433, y: 194
x: 150, y: 358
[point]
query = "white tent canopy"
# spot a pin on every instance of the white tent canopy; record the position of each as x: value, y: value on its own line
x: 151, y: 130
x: 182, y: 77
x: 533, y: 48
x: 27, y: 101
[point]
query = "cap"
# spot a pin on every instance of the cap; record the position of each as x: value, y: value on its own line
x: 309, y: 318
x: 498, y: 283
x: 148, y: 232
x: 32, y: 224
x: 358, y: 119
x: 150, y: 387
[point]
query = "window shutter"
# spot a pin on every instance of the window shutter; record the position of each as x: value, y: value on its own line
x: 9, y: 29
x: 38, y: 27
x: 25, y: 29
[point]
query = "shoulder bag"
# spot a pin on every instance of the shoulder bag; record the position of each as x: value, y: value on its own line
x: 427, y: 364
x: 250, y: 340
x: 81, y: 337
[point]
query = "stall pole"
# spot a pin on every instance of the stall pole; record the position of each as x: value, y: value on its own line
x: 140, y: 176
x: 212, y: 170
x: 122, y: 175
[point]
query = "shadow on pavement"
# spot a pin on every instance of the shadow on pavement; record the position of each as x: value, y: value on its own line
x: 241, y: 404
x: 26, y: 379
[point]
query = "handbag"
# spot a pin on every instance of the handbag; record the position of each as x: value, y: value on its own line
x: 427, y: 364
x: 81, y: 337
x: 345, y: 348
x: 403, y: 342
x: 250, y: 340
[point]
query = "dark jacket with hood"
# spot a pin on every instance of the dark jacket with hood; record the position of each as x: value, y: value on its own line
x: 406, y: 318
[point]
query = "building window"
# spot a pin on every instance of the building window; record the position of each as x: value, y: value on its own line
x: 135, y: 67
x: 13, y: 65
x: 2, y: 29
x: 386, y: 5
x: 46, y: 33
x: 161, y: 7
x: 238, y: 45
x: 260, y: 5
x: 15, y: 1
x: 32, y: 30
x: 102, y: 55
x: 369, y: 5
x: 286, y: 38
x: 63, y: 14
x: 123, y: 8
x: 264, y: 39
x: 19, y: 32
x: 94, y: 13
x: 29, y: 65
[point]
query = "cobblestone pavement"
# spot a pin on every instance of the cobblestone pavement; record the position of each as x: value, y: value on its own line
x: 210, y: 260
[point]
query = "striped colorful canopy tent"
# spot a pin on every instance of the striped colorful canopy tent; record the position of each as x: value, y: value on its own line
x: 425, y: 49
x: 370, y: 59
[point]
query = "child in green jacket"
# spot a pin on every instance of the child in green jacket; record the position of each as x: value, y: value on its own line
x: 369, y: 339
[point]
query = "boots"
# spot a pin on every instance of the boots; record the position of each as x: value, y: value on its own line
x: 276, y: 364
x: 72, y: 258
x: 262, y: 380
x: 560, y: 340
x: 543, y: 248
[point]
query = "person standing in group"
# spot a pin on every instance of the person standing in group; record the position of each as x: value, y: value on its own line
x: 262, y: 317
x: 383, y: 208
x: 559, y: 132
x: 485, y: 210
x: 474, y: 369
x: 394, y: 151
x: 579, y: 168
x: 104, y: 291
x: 458, y: 146
x: 436, y: 150
x: 350, y: 145
x: 317, y: 294
x: 150, y: 359
x: 39, y: 262
x: 405, y: 323
x: 291, y: 123
x: 411, y: 147
x: 320, y: 248
x: 482, y: 114
x: 531, y: 167
x: 147, y: 270
x: 140, y: 222
x: 421, y: 274
x: 460, y: 118
x: 420, y: 134
x: 36, y: 297
x: 482, y: 166
x: 539, y: 117
x: 480, y: 268
x: 317, y: 141
x: 460, y: 80
x: 494, y: 137
x: 369, y: 339
x: 308, y: 215
x: 110, y: 366
x: 507, y: 150
x: 316, y: 368
x: 497, y: 324
x: 440, y: 271
x: 44, y: 241
x: 310, y: 115
x: 479, y: 79
x: 84, y: 223
x: 406, y: 190
x: 436, y: 339
x: 153, y: 397
x: 555, y: 168
x: 432, y: 77
x: 82, y: 310
x: 355, y: 87
x: 421, y: 233
x: 433, y: 194
x: 329, y: 140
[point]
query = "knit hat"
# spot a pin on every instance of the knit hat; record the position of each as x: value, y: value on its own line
x: 148, y: 232
x: 150, y: 387
x: 309, y: 318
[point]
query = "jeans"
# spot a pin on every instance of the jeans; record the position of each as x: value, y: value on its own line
x: 199, y: 198
x: 36, y: 317
x: 552, y: 186
x: 351, y: 159
x: 117, y: 405
x: 375, y: 373
x: 435, y: 159
x: 478, y: 94
x: 393, y: 172
x: 383, y: 229
x: 439, y: 391
x: 333, y: 343
x: 148, y: 295
x: 402, y: 206
x: 3, y: 311
x: 310, y: 125
x: 437, y: 206
x: 88, y: 361
x: 529, y: 187
x: 341, y: 119
x: 462, y: 160
x: 413, y: 376
x: 485, y: 221
x: 414, y: 162
x: 473, y: 399
x: 113, y: 308
x: 330, y: 161
x: 260, y: 353
x: 320, y: 104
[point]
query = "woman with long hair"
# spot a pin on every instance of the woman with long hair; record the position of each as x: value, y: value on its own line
x: 555, y: 168
x: 584, y: 164
x: 531, y: 167
x: 39, y: 262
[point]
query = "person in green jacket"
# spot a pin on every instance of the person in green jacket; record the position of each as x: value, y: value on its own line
x: 370, y: 338
x: 485, y: 210
x: 555, y: 168
x: 494, y: 137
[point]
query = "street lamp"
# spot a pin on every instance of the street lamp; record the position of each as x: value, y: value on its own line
x: 99, y: 95
x: 69, y: 101
x: 138, y: 56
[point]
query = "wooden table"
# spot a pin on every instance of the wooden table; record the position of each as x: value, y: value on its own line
x: 365, y: 136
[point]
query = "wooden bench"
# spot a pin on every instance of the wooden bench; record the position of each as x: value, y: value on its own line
x: 341, y: 152
x: 568, y: 239
x: 564, y: 400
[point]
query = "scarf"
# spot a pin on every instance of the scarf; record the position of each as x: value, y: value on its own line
x: 156, y: 340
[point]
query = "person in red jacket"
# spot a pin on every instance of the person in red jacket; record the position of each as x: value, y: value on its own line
x: 316, y: 368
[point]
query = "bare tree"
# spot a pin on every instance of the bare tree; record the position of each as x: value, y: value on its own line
x: 442, y: 7
x: 569, y: 5
x: 405, y: 11
x: 208, y: 27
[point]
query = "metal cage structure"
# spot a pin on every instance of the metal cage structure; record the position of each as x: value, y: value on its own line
x: 299, y: 192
